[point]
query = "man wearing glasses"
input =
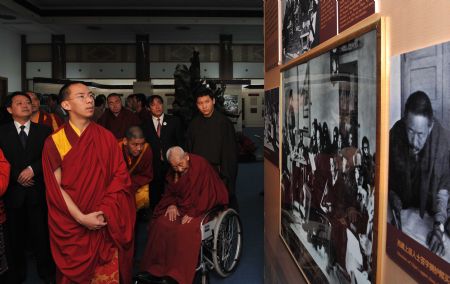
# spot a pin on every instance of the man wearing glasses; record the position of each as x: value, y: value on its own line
x: 89, y: 195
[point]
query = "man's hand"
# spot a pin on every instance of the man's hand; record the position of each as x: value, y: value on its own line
x: 25, y: 176
x: 28, y: 184
x: 435, y: 240
x: 396, y: 207
x: 186, y: 219
x: 93, y: 221
x: 172, y: 212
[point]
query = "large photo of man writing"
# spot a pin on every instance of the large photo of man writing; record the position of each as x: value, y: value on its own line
x: 419, y: 163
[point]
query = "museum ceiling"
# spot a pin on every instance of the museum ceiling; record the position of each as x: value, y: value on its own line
x: 131, y: 16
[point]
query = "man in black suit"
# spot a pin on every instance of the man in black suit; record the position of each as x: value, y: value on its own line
x: 22, y: 142
x: 162, y: 132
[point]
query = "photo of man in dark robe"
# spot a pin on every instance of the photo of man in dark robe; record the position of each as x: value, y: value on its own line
x: 419, y: 175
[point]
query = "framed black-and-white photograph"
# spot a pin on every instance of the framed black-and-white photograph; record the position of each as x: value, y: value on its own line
x: 231, y: 104
x: 271, y: 125
x: 330, y: 116
x: 300, y: 27
x: 418, y: 229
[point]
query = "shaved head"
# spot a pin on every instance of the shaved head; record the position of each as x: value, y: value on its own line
x: 134, y: 132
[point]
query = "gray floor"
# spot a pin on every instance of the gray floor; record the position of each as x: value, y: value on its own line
x: 250, y: 185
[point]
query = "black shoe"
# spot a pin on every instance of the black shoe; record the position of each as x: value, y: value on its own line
x: 147, y: 278
x: 169, y: 280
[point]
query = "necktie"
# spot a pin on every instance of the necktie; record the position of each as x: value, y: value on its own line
x: 158, y: 128
x: 158, y: 132
x: 23, y: 136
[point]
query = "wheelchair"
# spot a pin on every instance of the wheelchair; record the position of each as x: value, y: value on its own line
x: 221, y: 234
x: 221, y: 245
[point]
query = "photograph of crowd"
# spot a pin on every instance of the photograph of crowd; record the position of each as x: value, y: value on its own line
x: 419, y: 162
x: 300, y: 27
x: 328, y: 189
x: 271, y: 125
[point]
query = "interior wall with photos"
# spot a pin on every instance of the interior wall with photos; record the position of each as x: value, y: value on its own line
x: 410, y: 25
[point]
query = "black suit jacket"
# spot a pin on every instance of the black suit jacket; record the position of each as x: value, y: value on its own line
x: 172, y: 134
x: 20, y: 158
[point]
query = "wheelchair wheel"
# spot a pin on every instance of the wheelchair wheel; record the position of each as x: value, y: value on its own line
x: 227, y: 243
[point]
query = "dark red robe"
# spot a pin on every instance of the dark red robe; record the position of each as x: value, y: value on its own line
x: 96, y: 178
x: 118, y: 125
x: 140, y: 168
x: 173, y: 248
x: 50, y: 119
x: 4, y: 179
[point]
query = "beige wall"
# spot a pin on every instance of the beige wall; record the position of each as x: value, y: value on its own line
x: 410, y: 25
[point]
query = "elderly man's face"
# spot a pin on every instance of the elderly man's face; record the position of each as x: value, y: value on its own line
x: 180, y: 165
x: 418, y: 127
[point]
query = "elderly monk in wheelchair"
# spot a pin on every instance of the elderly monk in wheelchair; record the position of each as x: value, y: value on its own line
x: 174, y: 239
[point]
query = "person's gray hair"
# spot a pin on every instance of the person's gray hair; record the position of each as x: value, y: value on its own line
x: 175, y: 151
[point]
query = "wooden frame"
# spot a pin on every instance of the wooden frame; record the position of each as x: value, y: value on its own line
x: 310, y: 244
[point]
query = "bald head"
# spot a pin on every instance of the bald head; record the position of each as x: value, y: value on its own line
x: 134, y: 132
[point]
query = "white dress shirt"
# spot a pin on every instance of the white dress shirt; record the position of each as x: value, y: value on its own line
x: 26, y: 129
x: 155, y: 120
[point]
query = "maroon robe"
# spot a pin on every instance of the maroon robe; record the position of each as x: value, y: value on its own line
x: 118, y: 125
x: 49, y: 119
x: 145, y: 116
x: 140, y: 168
x: 95, y: 176
x: 173, y: 248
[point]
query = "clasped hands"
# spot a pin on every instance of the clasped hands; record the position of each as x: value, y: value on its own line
x: 93, y: 221
x: 172, y: 212
x: 25, y: 178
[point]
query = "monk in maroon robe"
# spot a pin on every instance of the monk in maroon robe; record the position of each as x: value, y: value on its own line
x: 139, y: 159
x: 91, y: 210
x: 174, y: 238
x: 42, y: 117
x: 116, y: 118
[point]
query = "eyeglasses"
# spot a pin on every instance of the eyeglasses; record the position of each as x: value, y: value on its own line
x: 83, y: 98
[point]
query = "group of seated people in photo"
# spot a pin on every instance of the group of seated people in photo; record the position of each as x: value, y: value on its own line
x: 72, y: 179
x: 329, y: 184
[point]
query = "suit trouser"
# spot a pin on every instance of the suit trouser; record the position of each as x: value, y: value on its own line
x: 28, y: 224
